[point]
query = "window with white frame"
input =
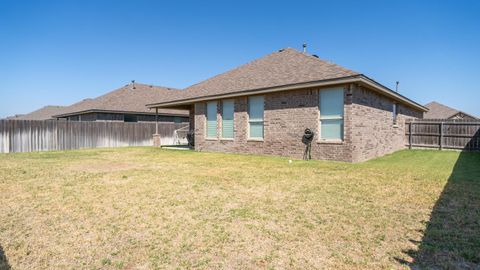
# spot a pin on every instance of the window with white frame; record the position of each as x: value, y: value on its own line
x: 212, y: 119
x: 394, y: 113
x: 331, y: 114
x: 227, y: 119
x: 255, y: 117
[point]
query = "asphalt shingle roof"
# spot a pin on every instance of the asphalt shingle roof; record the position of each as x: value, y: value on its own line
x: 44, y: 113
x: 130, y: 98
x: 284, y: 67
x: 439, y: 111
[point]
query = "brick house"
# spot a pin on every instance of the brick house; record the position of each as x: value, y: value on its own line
x: 126, y: 104
x: 263, y: 107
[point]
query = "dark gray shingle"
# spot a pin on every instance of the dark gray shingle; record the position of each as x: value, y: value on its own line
x: 130, y: 98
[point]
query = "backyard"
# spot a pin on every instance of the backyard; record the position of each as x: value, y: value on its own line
x: 148, y: 208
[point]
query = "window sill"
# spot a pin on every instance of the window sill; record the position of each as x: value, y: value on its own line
x: 226, y: 139
x: 254, y: 140
x: 211, y: 139
x: 395, y: 126
x: 330, y: 142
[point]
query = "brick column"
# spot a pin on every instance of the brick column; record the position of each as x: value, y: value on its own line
x: 156, y: 140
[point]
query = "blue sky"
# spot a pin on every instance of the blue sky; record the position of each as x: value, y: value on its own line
x: 59, y: 52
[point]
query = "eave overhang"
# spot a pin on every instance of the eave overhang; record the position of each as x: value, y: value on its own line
x: 358, y: 79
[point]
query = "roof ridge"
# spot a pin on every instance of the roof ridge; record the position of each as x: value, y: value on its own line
x: 443, y: 105
x: 156, y: 86
x: 310, y: 56
x: 237, y: 67
x: 280, y: 51
x: 124, y: 98
x: 280, y: 67
x: 128, y: 87
x: 452, y: 111
x: 434, y: 102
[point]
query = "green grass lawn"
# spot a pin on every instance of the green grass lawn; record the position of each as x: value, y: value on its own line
x: 147, y: 208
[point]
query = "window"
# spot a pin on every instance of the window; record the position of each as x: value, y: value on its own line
x: 255, y: 117
x: 130, y: 118
x: 227, y: 119
x: 212, y: 119
x: 394, y: 113
x: 331, y: 114
x: 177, y: 119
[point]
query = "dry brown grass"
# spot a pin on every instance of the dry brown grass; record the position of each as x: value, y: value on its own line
x: 145, y: 208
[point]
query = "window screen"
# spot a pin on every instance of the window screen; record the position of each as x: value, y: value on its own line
x: 227, y: 119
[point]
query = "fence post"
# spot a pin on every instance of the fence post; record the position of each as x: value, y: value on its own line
x: 410, y: 136
x: 156, y: 120
x: 441, y: 135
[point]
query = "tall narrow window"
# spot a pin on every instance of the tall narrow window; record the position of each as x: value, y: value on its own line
x: 212, y: 119
x: 227, y: 119
x: 255, y: 116
x: 331, y: 114
x: 394, y: 113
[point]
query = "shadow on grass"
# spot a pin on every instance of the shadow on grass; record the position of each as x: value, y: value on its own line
x: 4, y: 265
x: 451, y: 239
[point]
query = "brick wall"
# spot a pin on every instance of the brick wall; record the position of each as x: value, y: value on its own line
x: 288, y: 113
x: 373, y: 132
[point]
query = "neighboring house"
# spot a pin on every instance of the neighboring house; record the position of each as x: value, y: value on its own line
x: 13, y: 117
x: 126, y: 104
x: 45, y: 113
x: 263, y: 107
x: 440, y: 111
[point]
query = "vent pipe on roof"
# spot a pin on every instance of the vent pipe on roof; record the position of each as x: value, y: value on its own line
x: 304, y: 47
x: 396, y: 87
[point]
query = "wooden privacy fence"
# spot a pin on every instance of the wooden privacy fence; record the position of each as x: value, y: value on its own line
x: 444, y: 134
x: 30, y: 135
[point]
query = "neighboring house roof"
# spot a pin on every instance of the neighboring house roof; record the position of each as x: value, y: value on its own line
x: 439, y: 111
x: 285, y: 69
x: 44, y: 113
x: 131, y: 98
